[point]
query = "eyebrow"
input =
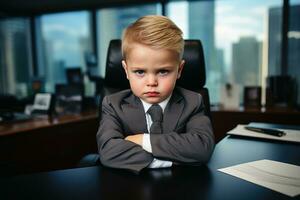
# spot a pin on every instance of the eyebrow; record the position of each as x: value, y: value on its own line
x: 166, y: 68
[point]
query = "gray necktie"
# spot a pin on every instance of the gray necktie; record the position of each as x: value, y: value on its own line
x: 156, y: 114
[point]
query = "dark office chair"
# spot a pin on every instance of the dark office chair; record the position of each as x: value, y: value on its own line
x: 192, y: 78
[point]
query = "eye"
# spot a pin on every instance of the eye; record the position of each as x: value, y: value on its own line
x: 163, y: 72
x: 139, y: 72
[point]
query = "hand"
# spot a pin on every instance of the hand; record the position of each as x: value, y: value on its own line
x: 138, y: 139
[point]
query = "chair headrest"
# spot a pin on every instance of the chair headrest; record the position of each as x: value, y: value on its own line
x: 193, y: 75
x: 115, y: 75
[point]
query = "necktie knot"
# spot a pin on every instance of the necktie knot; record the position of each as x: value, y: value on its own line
x: 156, y: 113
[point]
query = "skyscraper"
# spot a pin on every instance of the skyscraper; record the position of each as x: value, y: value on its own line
x: 202, y: 26
x: 274, y: 58
x: 21, y: 57
x: 274, y: 41
x: 294, y: 46
x: 2, y: 63
x: 246, y: 61
x: 15, y: 59
x: 201, y: 15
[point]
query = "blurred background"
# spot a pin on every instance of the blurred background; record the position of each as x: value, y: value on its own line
x: 245, y: 41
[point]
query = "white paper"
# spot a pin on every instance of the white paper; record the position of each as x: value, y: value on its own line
x: 277, y: 176
x: 42, y: 101
x: 291, y: 135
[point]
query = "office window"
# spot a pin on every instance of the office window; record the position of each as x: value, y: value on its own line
x: 63, y: 40
x: 241, y: 39
x: 15, y: 56
x: 112, y: 21
x: 293, y: 68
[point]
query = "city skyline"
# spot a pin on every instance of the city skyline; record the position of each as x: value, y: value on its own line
x: 250, y: 23
x: 63, y: 38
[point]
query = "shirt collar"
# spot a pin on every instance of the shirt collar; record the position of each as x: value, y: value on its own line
x: 162, y: 104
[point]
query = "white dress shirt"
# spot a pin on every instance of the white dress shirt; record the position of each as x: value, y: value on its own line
x: 156, y: 163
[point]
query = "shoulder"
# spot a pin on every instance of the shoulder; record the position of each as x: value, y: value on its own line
x: 188, y: 95
x: 191, y: 100
x: 119, y: 95
x: 117, y: 98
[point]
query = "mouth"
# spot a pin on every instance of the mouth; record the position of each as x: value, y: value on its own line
x: 152, y: 94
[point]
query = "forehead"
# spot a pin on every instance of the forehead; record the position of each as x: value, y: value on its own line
x: 139, y: 54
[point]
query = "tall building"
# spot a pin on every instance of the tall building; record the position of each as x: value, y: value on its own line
x: 274, y: 57
x: 294, y: 46
x: 59, y: 71
x: 220, y: 61
x: 21, y: 57
x: 15, y: 59
x: 274, y: 41
x: 201, y: 17
x: 246, y: 61
x: 48, y: 60
x: 2, y: 63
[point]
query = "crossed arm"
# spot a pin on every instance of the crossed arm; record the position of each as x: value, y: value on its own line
x: 194, y: 146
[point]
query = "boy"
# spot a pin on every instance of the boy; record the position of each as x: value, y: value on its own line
x: 154, y: 124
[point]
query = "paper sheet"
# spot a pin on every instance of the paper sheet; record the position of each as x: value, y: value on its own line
x: 291, y: 135
x: 278, y: 176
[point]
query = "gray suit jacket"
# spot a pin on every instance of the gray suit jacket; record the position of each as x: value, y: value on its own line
x: 187, y: 133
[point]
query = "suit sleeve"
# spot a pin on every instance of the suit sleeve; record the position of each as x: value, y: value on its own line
x: 193, y: 146
x: 113, y: 149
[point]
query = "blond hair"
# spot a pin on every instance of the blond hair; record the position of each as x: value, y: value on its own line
x: 157, y: 32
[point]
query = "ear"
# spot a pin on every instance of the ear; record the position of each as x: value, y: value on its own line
x: 125, y: 68
x: 180, y: 68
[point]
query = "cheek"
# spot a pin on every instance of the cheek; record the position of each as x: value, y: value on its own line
x: 135, y: 84
x: 167, y: 84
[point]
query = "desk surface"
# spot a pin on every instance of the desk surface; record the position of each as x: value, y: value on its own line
x: 176, y: 183
x: 11, y: 128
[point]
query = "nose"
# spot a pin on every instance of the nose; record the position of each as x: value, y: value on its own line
x: 152, y: 80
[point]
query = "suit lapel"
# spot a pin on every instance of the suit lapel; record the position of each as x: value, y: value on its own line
x: 172, y: 112
x: 134, y: 113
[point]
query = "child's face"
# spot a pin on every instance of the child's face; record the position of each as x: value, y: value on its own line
x: 152, y: 74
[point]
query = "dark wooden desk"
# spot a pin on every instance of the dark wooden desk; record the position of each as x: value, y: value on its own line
x: 186, y: 183
x: 47, y: 144
x: 226, y: 119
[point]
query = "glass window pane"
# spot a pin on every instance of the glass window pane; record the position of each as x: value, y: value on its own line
x: 112, y: 21
x: 15, y: 56
x: 62, y: 41
x: 236, y: 37
x: 294, y: 43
